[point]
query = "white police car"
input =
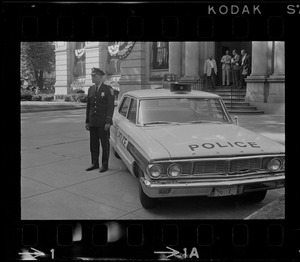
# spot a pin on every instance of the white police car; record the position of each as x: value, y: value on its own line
x: 180, y: 142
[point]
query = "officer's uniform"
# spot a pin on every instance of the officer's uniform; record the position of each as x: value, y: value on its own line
x: 99, y: 111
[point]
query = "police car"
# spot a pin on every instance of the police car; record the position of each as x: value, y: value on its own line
x: 180, y: 142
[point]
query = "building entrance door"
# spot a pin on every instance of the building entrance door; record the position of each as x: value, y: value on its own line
x: 220, y: 49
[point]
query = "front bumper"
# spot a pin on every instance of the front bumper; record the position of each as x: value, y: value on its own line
x: 177, y: 188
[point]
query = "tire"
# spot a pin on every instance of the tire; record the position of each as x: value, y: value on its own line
x: 256, y: 196
x: 147, y: 202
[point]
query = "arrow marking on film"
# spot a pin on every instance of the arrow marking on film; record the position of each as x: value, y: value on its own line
x: 173, y: 252
x: 37, y: 253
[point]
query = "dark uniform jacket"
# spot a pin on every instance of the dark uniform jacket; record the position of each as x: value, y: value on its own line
x: 100, y: 106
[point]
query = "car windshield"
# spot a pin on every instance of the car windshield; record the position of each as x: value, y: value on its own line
x: 181, y: 110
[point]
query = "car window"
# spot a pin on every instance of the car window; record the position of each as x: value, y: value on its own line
x: 132, y: 111
x: 124, y: 106
x: 182, y: 110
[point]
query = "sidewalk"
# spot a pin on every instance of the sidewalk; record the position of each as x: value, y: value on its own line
x: 38, y: 106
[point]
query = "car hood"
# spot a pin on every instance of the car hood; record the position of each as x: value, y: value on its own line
x: 201, y: 140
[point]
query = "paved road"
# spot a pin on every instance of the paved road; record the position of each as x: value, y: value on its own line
x: 55, y: 185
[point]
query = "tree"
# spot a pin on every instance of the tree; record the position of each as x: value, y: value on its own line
x: 36, y: 58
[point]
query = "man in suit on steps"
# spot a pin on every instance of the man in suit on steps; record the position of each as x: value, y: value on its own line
x: 235, y: 66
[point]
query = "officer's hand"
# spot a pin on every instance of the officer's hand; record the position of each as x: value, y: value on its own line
x: 106, y: 127
x: 87, y: 127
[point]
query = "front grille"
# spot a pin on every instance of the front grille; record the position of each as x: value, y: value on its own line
x: 211, y: 167
x: 245, y: 164
x: 221, y: 166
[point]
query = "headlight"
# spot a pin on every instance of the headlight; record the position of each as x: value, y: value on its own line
x: 174, y: 171
x: 155, y: 171
x: 274, y: 164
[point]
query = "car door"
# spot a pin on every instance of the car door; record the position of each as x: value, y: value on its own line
x: 119, y: 115
x: 125, y: 129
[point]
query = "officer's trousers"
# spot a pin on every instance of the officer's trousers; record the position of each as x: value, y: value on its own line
x: 97, y: 135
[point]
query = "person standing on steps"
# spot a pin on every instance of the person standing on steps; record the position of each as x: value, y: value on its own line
x: 210, y: 71
x: 235, y: 66
x: 225, y: 61
x: 99, y: 113
x: 245, y: 67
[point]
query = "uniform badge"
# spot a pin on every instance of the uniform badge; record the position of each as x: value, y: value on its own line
x: 102, y: 94
x: 112, y: 91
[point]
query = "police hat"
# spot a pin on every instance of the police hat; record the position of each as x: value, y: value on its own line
x: 97, y: 71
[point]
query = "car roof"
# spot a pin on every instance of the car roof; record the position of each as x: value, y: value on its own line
x: 166, y: 93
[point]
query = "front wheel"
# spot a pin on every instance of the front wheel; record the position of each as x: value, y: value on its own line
x: 256, y: 196
x: 147, y: 202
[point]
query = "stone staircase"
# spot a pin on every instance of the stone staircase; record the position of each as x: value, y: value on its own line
x: 235, y: 101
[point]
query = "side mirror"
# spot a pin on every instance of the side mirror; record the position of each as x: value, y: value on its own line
x: 236, y: 120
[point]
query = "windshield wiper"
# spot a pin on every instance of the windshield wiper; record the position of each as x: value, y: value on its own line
x: 204, y: 121
x: 162, y: 122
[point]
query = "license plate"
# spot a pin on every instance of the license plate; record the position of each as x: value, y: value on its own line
x: 225, y: 191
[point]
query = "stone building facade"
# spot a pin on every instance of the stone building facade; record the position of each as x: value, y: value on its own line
x: 147, y: 62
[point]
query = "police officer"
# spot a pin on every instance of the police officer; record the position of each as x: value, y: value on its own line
x: 99, y: 112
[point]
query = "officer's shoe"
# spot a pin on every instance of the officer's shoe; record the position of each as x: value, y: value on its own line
x: 103, y: 169
x: 92, y: 167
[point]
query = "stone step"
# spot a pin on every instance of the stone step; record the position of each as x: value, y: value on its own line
x: 235, y: 101
x: 233, y: 98
x: 250, y: 108
x: 229, y: 88
x: 244, y: 111
x: 234, y: 95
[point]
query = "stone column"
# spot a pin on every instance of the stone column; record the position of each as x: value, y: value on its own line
x: 175, y: 56
x: 62, y: 67
x: 256, y: 83
x: 259, y: 60
x: 276, y: 82
x: 191, y: 61
x: 264, y: 92
x: 279, y: 60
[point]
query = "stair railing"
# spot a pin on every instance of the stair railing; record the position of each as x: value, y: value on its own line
x: 198, y: 85
x: 236, y: 87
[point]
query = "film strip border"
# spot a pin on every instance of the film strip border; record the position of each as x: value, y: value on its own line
x: 199, y: 21
x: 157, y: 240
x: 151, y: 239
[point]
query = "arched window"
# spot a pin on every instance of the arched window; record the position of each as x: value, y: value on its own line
x: 160, y: 55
